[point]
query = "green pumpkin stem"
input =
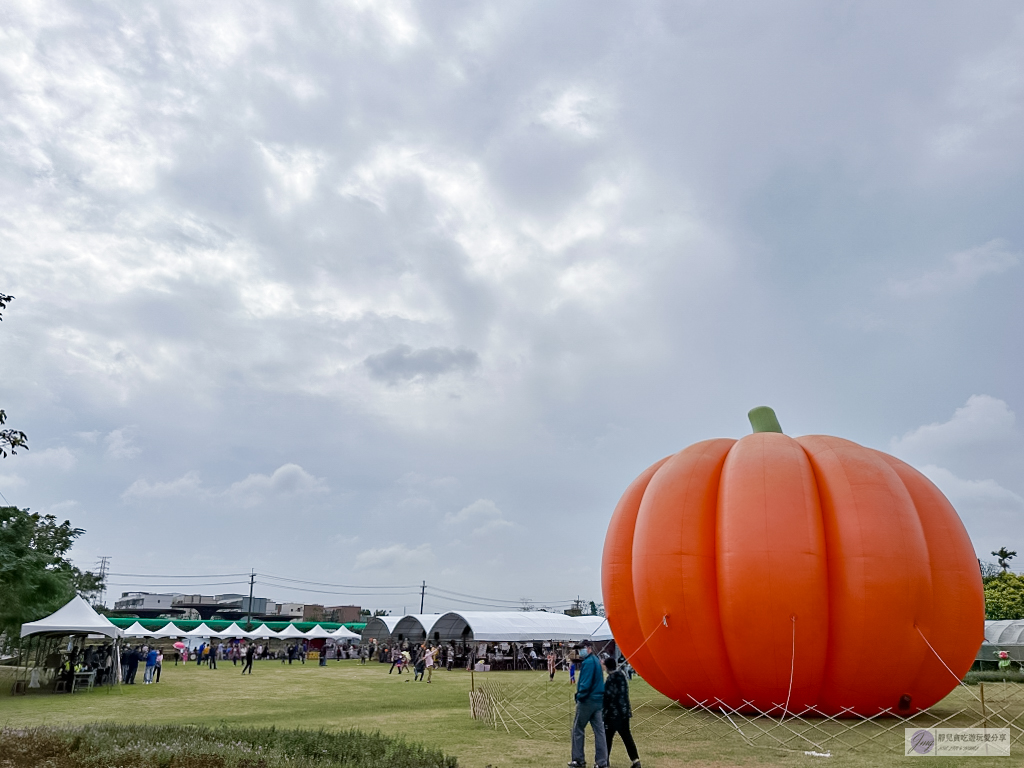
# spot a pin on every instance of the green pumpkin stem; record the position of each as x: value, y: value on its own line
x: 763, y: 419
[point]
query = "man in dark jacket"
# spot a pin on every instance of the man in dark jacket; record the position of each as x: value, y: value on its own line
x: 131, y: 661
x: 617, y: 711
x: 250, y: 652
x: 589, y: 701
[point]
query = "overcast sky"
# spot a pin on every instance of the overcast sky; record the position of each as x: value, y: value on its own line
x: 381, y: 292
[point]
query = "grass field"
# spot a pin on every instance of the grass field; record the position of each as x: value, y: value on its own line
x: 346, y: 695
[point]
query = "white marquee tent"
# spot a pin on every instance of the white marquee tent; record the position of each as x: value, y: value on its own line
x: 201, y: 631
x: 233, y: 631
x: 318, y: 633
x: 343, y: 633
x: 292, y: 631
x: 75, y: 618
x: 137, y: 630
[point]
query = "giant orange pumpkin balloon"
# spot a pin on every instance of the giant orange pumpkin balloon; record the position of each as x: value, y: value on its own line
x: 783, y: 573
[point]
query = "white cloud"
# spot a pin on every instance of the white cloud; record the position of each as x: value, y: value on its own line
x: 959, y: 271
x: 294, y: 171
x: 188, y: 484
x: 396, y: 557
x: 578, y: 110
x: 287, y: 480
x: 992, y: 514
x: 51, y: 458
x: 983, y: 420
x: 8, y: 482
x: 120, y: 444
x: 481, y: 517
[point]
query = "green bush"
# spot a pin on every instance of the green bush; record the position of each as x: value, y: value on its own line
x: 149, y: 746
x: 1004, y: 597
x: 1013, y: 675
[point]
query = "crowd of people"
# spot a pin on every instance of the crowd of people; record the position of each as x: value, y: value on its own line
x: 602, y: 701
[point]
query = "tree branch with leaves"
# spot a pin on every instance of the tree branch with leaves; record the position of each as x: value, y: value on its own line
x: 10, y: 439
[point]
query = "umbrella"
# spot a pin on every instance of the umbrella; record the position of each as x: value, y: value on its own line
x: 179, y: 645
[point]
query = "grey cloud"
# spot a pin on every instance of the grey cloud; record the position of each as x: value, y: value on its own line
x: 531, y: 246
x: 403, y: 363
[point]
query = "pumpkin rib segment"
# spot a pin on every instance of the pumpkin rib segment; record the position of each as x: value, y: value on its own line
x: 772, y: 571
x: 617, y: 580
x: 878, y: 575
x: 676, y: 576
x: 955, y: 624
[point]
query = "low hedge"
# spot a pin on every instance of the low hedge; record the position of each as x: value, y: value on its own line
x: 175, y: 746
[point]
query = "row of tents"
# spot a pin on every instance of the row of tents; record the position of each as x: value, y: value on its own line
x: 78, y: 617
x: 487, y: 626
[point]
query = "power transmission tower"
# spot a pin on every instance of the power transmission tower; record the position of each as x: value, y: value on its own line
x: 104, y: 568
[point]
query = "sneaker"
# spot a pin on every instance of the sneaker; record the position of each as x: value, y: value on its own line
x: 635, y: 764
x: 575, y: 764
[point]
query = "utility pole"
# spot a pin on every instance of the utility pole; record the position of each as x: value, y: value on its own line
x: 104, y: 562
x: 248, y: 618
x: 423, y: 593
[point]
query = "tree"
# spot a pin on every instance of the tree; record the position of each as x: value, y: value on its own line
x: 1004, y: 556
x: 1004, y: 597
x: 36, y: 578
x: 10, y: 439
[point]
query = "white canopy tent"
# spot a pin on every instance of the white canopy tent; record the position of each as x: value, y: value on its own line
x: 234, y: 631
x: 343, y: 633
x: 319, y: 633
x: 292, y: 631
x: 137, y: 630
x: 201, y: 631
x: 170, y: 629
x: 263, y: 632
x: 76, y: 618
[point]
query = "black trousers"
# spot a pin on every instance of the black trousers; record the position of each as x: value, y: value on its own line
x: 622, y: 727
x: 248, y: 665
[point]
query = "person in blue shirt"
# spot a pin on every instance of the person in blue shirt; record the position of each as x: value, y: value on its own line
x: 147, y: 678
x: 589, y: 704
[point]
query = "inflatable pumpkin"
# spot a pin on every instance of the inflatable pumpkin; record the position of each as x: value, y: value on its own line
x: 783, y: 573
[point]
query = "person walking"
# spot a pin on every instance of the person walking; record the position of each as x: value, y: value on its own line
x: 617, y: 711
x: 159, y: 665
x: 552, y: 663
x: 428, y: 659
x: 249, y: 653
x: 396, y: 661
x: 572, y: 672
x: 589, y: 705
x: 213, y: 655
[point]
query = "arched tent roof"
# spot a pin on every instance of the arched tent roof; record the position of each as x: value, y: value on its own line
x: 519, y: 627
x: 1004, y: 632
x: 379, y: 628
x: 415, y: 627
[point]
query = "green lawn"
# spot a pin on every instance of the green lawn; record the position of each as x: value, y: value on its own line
x: 345, y: 695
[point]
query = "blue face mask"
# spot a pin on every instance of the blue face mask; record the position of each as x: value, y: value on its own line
x: 584, y: 652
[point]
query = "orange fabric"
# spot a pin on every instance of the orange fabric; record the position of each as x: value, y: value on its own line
x: 730, y: 554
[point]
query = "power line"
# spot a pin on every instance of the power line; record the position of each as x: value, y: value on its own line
x: 498, y: 600
x: 178, y: 575
x: 343, y: 586
x: 177, y: 584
